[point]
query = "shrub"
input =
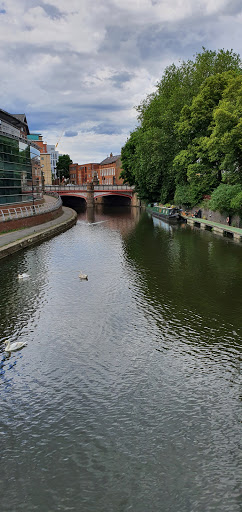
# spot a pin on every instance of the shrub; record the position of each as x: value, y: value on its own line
x: 236, y: 203
x: 226, y: 199
x: 183, y: 196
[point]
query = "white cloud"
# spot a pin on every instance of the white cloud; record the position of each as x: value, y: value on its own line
x: 82, y: 66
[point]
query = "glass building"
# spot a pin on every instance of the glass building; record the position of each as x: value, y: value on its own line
x: 19, y: 162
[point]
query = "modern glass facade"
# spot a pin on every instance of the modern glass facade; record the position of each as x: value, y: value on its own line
x: 19, y: 170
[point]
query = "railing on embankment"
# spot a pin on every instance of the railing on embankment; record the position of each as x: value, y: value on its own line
x: 21, y: 212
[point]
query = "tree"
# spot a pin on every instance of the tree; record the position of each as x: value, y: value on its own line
x: 62, y: 166
x: 149, y: 153
x: 128, y: 153
x: 202, y: 161
x: 236, y: 203
x: 227, y: 199
x: 183, y: 196
x: 225, y: 142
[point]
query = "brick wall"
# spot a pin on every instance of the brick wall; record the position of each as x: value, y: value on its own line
x: 27, y: 222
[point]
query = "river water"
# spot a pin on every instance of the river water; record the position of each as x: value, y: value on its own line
x: 126, y: 397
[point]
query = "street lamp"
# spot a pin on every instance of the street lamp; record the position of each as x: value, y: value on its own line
x: 42, y: 179
x: 33, y: 189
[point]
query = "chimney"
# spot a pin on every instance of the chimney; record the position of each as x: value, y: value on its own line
x: 111, y: 154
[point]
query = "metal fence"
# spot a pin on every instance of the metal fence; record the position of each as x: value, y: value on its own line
x: 58, y: 188
x: 28, y: 211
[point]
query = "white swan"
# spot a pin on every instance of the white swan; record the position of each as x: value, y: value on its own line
x: 23, y: 276
x: 94, y: 223
x: 83, y: 276
x: 11, y: 347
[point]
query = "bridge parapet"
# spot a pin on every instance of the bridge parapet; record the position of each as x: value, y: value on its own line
x: 57, y: 188
x: 92, y: 192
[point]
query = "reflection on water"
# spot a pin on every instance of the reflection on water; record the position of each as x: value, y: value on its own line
x: 120, y: 219
x: 163, y: 225
x: 126, y: 397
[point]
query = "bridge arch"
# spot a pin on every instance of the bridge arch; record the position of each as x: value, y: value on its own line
x: 113, y: 199
x: 74, y: 200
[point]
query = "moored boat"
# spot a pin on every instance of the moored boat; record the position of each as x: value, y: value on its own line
x: 169, y: 214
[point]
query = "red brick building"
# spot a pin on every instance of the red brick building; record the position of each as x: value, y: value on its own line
x: 109, y: 171
x: 83, y: 173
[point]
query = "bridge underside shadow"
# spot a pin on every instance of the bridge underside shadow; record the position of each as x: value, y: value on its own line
x: 77, y: 203
x: 113, y: 200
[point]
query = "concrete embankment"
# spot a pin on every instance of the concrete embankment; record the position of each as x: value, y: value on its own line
x: 15, y: 241
x: 215, y: 227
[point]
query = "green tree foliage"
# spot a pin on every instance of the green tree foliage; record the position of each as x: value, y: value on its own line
x: 227, y: 199
x: 62, y: 166
x: 211, y: 131
x: 169, y: 153
x: 195, y: 164
x: 128, y: 157
x: 183, y: 196
x: 236, y: 203
x: 225, y: 142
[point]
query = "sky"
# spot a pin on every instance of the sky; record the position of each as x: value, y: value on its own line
x: 78, y: 68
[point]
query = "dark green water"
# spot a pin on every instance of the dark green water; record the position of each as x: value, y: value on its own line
x: 126, y: 397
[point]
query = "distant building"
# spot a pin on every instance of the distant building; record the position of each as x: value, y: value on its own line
x: 45, y: 158
x: 54, y: 157
x: 19, y: 161
x: 83, y: 173
x: 75, y: 175
x: 109, y: 171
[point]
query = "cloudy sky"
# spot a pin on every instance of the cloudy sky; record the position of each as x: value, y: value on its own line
x: 77, y: 68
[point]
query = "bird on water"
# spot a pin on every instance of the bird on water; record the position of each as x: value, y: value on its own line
x: 23, y: 276
x: 83, y: 276
x: 12, y: 347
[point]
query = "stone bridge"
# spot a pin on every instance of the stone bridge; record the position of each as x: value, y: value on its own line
x: 93, y: 193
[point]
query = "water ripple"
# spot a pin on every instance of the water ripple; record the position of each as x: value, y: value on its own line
x: 126, y: 396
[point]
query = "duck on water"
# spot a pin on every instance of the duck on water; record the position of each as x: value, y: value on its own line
x: 83, y: 276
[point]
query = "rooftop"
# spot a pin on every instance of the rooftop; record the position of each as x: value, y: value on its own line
x: 17, y: 120
x: 110, y: 159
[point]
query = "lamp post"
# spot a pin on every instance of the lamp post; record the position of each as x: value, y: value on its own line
x: 42, y: 179
x: 33, y: 189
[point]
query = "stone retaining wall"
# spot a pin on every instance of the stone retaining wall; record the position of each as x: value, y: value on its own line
x: 218, y: 217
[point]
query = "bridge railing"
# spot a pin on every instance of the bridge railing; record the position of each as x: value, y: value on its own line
x: 115, y: 187
x: 57, y: 188
x: 53, y: 188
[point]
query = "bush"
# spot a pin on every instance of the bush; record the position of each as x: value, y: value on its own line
x: 182, y: 196
x: 236, y: 203
x: 226, y: 199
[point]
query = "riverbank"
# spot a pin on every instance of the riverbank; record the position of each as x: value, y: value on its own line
x: 17, y: 240
x: 173, y: 215
x: 215, y: 227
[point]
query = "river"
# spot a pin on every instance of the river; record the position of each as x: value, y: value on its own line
x: 126, y: 397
